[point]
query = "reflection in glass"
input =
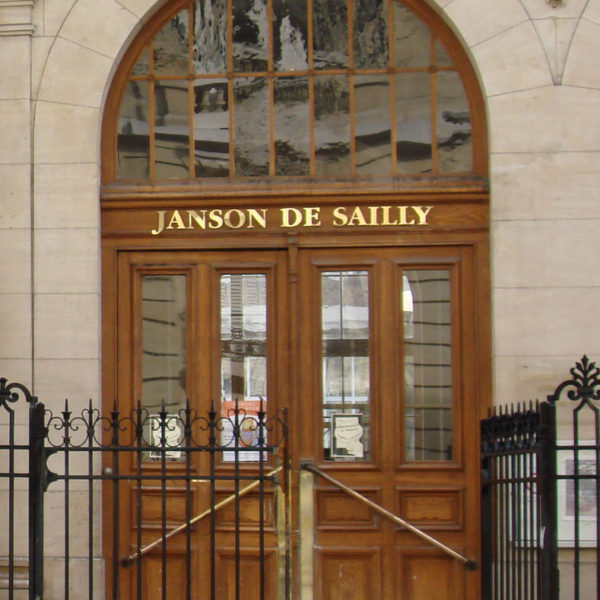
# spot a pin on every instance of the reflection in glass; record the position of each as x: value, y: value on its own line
x: 372, y: 132
x: 141, y: 66
x: 413, y: 123
x: 210, y: 36
x: 453, y: 124
x: 290, y: 52
x: 250, y: 35
x: 163, y: 342
x: 330, y: 34
x: 133, y: 142
x: 370, y: 34
x: 170, y: 47
x: 172, y: 129
x: 411, y: 39
x: 332, y: 125
x: 291, y: 124
x: 442, y: 58
x: 251, y: 114
x: 211, y: 128
x: 346, y: 386
x: 427, y: 364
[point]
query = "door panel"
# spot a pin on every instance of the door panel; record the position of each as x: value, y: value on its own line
x: 372, y: 350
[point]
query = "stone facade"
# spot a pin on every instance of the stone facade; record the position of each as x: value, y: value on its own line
x: 539, y: 68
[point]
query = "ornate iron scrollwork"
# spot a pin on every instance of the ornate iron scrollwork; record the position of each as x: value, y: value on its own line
x: 584, y: 385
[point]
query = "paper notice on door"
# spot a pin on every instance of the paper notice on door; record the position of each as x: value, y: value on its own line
x: 347, y: 436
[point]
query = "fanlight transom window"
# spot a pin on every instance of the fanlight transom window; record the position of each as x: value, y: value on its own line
x: 332, y: 89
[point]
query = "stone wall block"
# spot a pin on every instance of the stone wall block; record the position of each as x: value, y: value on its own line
x: 549, y: 253
x: 55, y: 382
x: 479, y: 20
x: 100, y: 26
x: 592, y: 11
x: 14, y: 116
x: 66, y: 134
x: 546, y: 321
x: 49, y: 15
x: 88, y: 72
x: 505, y: 70
x: 583, y: 63
x: 16, y: 195
x: 542, y: 9
x: 143, y: 8
x: 67, y: 326
x: 553, y: 185
x: 14, y: 66
x: 63, y: 196
x: 550, y: 119
x: 15, y: 324
x: 67, y: 261
x: 15, y: 266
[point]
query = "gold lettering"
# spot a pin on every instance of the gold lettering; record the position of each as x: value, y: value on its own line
x: 385, y: 220
x: 311, y: 216
x: 215, y: 218
x: 199, y: 219
x: 339, y: 216
x: 258, y: 215
x: 422, y: 212
x: 357, y: 217
x: 241, y: 218
x: 161, y: 222
x: 176, y: 221
x: 373, y: 214
x: 402, y: 216
x: 290, y: 217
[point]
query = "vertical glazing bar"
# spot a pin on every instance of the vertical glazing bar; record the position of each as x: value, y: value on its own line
x: 163, y: 500
x: 236, y: 474
x: 115, y: 501
x: 188, y: 503
x: 90, y: 456
x: 67, y: 500
x: 139, y: 433
x: 212, y: 449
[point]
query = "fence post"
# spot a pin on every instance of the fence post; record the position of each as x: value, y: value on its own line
x: 37, y: 485
x: 546, y: 461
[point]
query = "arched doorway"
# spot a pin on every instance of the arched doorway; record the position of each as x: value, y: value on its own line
x: 295, y: 212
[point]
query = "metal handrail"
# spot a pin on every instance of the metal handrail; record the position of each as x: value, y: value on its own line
x: 470, y: 564
x: 128, y: 560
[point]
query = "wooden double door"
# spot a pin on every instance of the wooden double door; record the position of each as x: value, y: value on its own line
x: 375, y: 353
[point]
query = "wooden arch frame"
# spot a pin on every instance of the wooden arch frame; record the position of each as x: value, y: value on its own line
x: 477, y: 181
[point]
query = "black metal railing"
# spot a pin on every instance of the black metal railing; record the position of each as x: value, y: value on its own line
x: 124, y: 494
x: 540, y: 495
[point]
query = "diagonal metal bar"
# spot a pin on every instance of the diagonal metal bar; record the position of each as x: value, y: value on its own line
x: 128, y: 560
x: 470, y: 564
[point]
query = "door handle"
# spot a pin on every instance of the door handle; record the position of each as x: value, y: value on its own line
x: 469, y: 564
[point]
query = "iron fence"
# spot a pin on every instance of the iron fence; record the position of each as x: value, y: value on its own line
x: 113, y: 501
x: 540, y: 491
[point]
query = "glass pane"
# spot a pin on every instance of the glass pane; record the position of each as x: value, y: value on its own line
x: 141, y: 66
x: 370, y: 34
x: 291, y: 121
x: 243, y: 355
x: 442, y: 58
x: 170, y: 48
x: 172, y: 130
x: 133, y: 153
x: 346, y: 382
x: 163, y: 342
x: 210, y: 36
x: 290, y: 51
x: 427, y: 364
x: 332, y: 126
x: 330, y: 34
x: 413, y: 123
x: 251, y: 114
x: 211, y: 128
x: 372, y: 133
x: 411, y: 39
x: 250, y: 36
x: 453, y: 124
